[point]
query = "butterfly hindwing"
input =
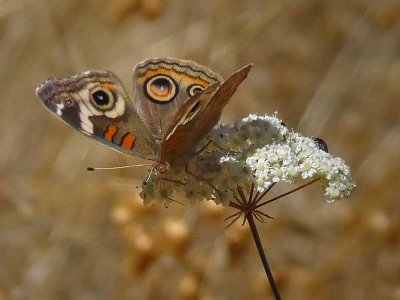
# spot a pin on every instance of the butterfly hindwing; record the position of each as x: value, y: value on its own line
x: 162, y: 85
x: 96, y: 104
x: 197, y: 117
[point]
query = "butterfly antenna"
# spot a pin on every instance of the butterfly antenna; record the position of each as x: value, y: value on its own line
x: 115, y: 168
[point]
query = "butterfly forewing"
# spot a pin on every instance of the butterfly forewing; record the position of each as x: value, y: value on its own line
x: 96, y: 104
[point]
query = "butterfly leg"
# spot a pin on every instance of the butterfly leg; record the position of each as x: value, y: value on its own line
x: 222, y: 148
x: 146, y: 181
x: 173, y: 180
x: 203, y: 148
x: 173, y: 200
x: 216, y: 145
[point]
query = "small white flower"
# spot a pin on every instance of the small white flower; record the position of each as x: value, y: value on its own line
x: 258, y: 150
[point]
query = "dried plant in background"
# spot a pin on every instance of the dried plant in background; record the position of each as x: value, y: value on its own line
x: 331, y: 69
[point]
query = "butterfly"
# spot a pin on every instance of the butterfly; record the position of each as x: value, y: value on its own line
x: 175, y: 105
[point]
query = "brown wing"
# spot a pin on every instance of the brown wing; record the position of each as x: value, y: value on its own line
x: 96, y: 104
x: 162, y: 85
x: 197, y: 117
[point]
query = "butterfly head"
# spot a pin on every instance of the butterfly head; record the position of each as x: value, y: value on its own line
x: 161, y: 168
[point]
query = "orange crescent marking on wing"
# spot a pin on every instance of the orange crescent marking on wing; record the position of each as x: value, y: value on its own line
x: 128, y: 141
x: 163, y: 71
x: 109, y: 86
x: 110, y: 132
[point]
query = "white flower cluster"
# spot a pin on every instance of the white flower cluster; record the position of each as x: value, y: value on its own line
x: 300, y: 158
x: 258, y: 150
x: 249, y: 133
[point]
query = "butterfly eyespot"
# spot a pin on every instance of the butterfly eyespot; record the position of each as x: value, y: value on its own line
x: 102, y: 99
x: 194, y: 89
x: 161, y: 89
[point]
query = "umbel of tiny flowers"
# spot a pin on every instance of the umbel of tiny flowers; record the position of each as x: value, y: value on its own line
x: 255, y: 152
x: 252, y: 154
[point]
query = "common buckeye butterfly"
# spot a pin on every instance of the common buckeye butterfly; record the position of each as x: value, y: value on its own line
x: 176, y: 103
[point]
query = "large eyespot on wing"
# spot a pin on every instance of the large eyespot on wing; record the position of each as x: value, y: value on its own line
x: 160, y: 89
x: 158, y: 106
x: 102, y: 99
x: 106, y: 99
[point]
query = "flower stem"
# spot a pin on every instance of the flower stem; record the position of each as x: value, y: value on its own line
x: 263, y: 257
x: 287, y: 193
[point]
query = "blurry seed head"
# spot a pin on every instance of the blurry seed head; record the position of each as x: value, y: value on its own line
x: 177, y: 236
x: 188, y: 287
x: 141, y: 248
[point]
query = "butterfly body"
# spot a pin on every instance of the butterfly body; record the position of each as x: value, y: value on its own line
x: 176, y: 103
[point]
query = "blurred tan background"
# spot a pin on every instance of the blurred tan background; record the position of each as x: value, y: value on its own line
x: 330, y: 68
